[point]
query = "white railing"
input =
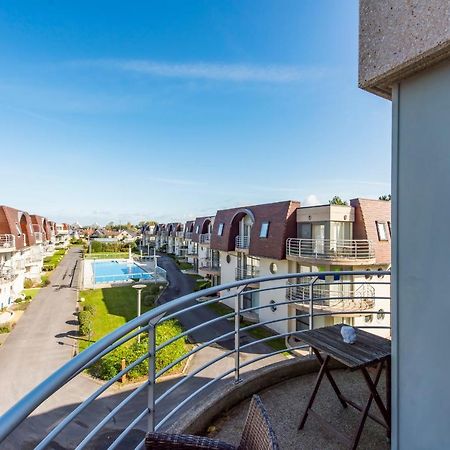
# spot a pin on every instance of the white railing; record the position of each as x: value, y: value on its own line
x: 244, y: 273
x: 164, y: 402
x: 205, y: 238
x: 208, y: 264
x: 7, y: 242
x: 6, y: 274
x: 242, y: 241
x: 38, y: 237
x: 335, y: 295
x: 353, y: 249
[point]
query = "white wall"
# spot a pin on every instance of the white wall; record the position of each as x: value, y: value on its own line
x: 421, y: 244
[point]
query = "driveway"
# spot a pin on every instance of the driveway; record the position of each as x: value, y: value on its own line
x: 42, y: 340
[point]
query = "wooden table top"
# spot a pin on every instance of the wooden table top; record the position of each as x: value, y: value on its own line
x: 367, y: 350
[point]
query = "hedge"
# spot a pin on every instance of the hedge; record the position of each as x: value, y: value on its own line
x: 111, y: 364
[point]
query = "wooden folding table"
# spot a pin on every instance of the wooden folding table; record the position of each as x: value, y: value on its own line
x: 368, y: 350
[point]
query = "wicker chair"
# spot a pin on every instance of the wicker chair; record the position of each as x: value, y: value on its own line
x: 258, y: 434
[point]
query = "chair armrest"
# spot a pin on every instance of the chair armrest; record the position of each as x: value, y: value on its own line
x: 160, y: 441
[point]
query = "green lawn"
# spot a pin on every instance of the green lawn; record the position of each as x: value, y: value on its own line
x: 106, y: 255
x: 114, y: 307
x: 258, y: 332
x: 31, y: 292
x: 107, y: 309
x: 55, y: 258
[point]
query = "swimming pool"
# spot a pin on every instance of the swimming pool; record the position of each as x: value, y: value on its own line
x: 116, y: 271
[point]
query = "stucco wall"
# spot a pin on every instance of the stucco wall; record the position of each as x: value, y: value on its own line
x: 421, y: 331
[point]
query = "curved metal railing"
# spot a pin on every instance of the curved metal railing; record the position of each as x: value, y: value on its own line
x: 289, y: 315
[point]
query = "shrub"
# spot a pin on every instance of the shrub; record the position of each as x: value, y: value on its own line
x: 85, y: 322
x: 44, y: 281
x: 48, y: 267
x: 89, y: 308
x: 27, y: 284
x: 111, y: 364
x: 5, y: 328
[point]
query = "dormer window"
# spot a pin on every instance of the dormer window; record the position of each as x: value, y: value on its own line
x: 264, y: 232
x: 220, y: 229
x: 381, y: 229
x: 19, y: 231
x: 197, y: 229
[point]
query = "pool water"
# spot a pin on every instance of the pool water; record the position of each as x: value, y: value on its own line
x: 116, y: 271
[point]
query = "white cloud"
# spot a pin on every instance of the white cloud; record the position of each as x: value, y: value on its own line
x: 311, y: 200
x: 199, y: 70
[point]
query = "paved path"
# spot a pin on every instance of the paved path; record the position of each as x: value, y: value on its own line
x: 42, y: 340
x: 80, y: 387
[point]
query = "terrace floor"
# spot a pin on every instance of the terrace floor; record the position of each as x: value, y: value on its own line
x: 286, y: 401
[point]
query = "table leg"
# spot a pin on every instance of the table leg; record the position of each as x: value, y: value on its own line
x: 331, y: 380
x: 320, y: 375
x: 376, y: 396
x: 365, y: 412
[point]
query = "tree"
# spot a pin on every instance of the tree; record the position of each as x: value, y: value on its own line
x: 336, y: 200
x: 387, y: 197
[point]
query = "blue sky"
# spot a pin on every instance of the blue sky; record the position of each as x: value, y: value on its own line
x: 171, y: 109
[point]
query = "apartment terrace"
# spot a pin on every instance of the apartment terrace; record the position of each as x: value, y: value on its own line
x: 323, y: 251
x: 7, y: 242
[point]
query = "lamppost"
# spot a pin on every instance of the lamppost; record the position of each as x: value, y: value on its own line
x: 139, y: 288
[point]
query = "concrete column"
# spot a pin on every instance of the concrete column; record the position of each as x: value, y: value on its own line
x: 405, y: 56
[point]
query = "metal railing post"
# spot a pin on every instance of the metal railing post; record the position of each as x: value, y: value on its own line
x: 311, y: 305
x: 151, y: 376
x: 237, y: 336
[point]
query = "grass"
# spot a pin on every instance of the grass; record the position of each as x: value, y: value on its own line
x: 260, y: 332
x: 106, y: 255
x: 56, y: 258
x: 113, y: 307
x: 200, y: 282
x: 31, y: 292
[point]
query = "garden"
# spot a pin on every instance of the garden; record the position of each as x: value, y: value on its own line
x: 104, y: 310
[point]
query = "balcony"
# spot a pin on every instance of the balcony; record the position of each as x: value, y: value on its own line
x: 179, y: 234
x: 7, y: 243
x: 209, y: 266
x: 242, y: 242
x: 205, y: 238
x: 7, y: 274
x: 337, y: 298
x: 244, y: 273
x: 188, y: 235
x: 38, y: 237
x: 229, y: 360
x: 345, y: 251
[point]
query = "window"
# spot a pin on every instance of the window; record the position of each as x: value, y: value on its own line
x: 264, y: 230
x: 228, y: 259
x: 380, y: 314
x: 197, y: 229
x: 368, y: 318
x: 273, y: 268
x: 389, y: 226
x: 220, y: 230
x: 381, y: 229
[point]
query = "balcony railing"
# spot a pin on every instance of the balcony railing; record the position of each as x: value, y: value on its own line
x: 351, y: 249
x: 333, y: 296
x: 242, y: 242
x: 6, y: 274
x: 38, y: 237
x: 244, y: 273
x: 205, y: 238
x: 209, y: 265
x: 161, y: 406
x: 188, y: 235
x: 7, y: 242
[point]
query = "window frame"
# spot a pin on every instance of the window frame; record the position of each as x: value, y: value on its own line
x: 220, y: 229
x: 265, y: 223
x: 383, y: 225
